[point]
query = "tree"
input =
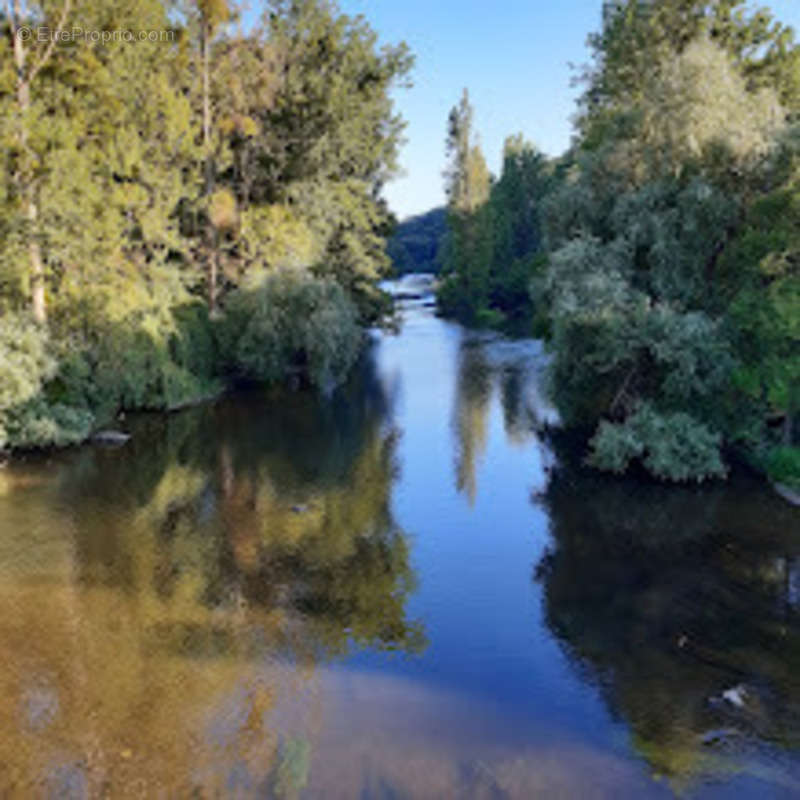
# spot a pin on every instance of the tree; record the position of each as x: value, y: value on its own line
x: 517, y: 234
x: 29, y: 62
x: 331, y: 139
x: 211, y: 15
x: 467, y: 249
x: 761, y: 275
x: 638, y: 36
x: 641, y: 337
x: 467, y: 179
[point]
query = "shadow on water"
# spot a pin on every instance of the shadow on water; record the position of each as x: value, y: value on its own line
x: 683, y: 606
x: 165, y: 603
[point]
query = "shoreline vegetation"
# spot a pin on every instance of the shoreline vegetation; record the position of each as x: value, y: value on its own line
x: 659, y: 257
x: 181, y: 216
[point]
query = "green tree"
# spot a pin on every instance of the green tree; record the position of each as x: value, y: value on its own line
x: 29, y: 61
x: 761, y: 276
x: 641, y: 336
x: 638, y: 36
x: 517, y: 237
x: 211, y: 15
x: 467, y: 249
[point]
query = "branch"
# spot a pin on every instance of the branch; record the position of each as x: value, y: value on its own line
x: 52, y: 43
x: 622, y: 390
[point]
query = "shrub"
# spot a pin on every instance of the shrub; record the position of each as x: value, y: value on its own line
x: 783, y: 466
x: 27, y: 418
x: 672, y: 447
x: 149, y: 359
x: 292, y: 322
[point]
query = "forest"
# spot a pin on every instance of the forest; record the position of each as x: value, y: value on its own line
x: 660, y: 256
x: 185, y: 201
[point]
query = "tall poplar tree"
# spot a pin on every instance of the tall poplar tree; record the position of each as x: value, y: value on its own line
x: 467, y: 257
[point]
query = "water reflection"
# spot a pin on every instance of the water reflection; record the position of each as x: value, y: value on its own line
x: 682, y: 606
x: 489, y: 363
x: 227, y: 607
x: 165, y: 604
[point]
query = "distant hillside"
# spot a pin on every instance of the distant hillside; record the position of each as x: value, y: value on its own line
x: 415, y: 244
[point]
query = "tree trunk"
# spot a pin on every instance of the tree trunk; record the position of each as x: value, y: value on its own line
x: 38, y: 306
x: 211, y: 238
x: 212, y: 269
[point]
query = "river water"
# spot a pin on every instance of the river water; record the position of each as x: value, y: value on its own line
x: 401, y: 591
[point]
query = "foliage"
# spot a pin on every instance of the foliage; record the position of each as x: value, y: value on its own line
x: 27, y: 419
x: 672, y: 447
x: 783, y: 466
x: 637, y: 38
x: 136, y: 180
x: 331, y: 138
x: 652, y: 318
x: 492, y: 249
x: 762, y: 278
x: 415, y: 245
x: 292, y: 322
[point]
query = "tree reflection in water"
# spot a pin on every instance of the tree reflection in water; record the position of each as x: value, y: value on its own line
x: 666, y: 598
x: 488, y: 363
x: 164, y: 640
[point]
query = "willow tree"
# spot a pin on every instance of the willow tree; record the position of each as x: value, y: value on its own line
x: 643, y: 351
x: 637, y: 37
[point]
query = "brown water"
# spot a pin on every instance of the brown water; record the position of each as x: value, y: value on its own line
x: 399, y: 592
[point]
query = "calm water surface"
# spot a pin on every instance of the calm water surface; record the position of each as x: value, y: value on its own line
x: 400, y: 592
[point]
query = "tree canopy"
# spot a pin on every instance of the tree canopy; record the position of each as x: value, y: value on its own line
x: 146, y: 185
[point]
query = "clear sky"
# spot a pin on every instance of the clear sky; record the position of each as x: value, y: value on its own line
x: 512, y: 55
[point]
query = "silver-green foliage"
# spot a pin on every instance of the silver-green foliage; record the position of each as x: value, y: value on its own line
x: 671, y: 446
x: 644, y: 351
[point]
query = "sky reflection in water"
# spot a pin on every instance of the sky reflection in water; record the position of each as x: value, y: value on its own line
x: 400, y: 592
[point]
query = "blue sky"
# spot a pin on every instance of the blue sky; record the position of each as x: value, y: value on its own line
x: 512, y: 55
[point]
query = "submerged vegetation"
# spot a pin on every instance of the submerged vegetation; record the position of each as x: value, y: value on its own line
x: 660, y: 255
x: 198, y: 205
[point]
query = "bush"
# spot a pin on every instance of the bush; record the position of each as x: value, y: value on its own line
x: 490, y: 318
x: 291, y: 323
x: 672, y: 447
x: 39, y: 424
x: 27, y: 418
x: 783, y: 466
x: 54, y: 389
x: 149, y: 359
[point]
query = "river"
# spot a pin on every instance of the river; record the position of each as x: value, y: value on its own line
x: 400, y: 591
